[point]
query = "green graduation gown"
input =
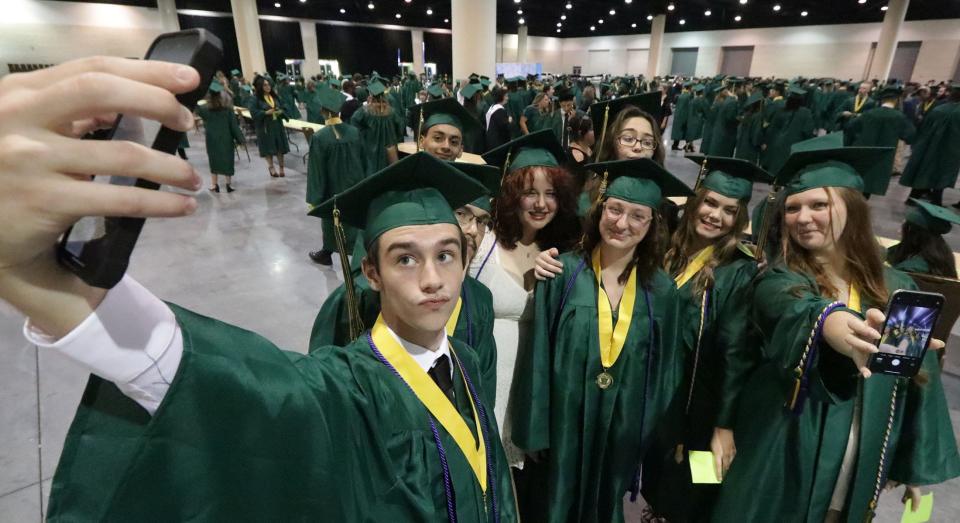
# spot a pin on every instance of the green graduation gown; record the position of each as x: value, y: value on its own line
x: 681, y: 116
x: 378, y: 132
x: 935, y: 159
x: 336, y: 163
x: 706, y: 146
x: 594, y: 438
x: 474, y: 325
x: 849, y: 104
x: 750, y: 137
x: 879, y: 127
x: 724, y: 128
x: 271, y: 135
x: 788, y: 464
x: 533, y: 116
x: 288, y: 100
x: 222, y: 133
x: 788, y: 128
x: 314, y: 110
x: 248, y: 432
x: 693, y: 130
x: 914, y: 263
x: 716, y: 362
x: 515, y: 106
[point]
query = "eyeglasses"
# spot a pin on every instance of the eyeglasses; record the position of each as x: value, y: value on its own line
x: 465, y: 218
x: 629, y: 140
x: 636, y: 219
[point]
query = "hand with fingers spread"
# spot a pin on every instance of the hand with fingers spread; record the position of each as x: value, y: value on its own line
x: 45, y: 168
x: 547, y: 265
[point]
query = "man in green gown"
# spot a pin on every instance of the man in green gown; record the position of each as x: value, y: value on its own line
x: 698, y: 113
x: 192, y: 419
x: 792, y: 447
x: 381, y: 128
x: 882, y: 126
x: 854, y: 106
x: 681, y: 116
x: 750, y: 130
x: 791, y: 125
x: 724, y: 128
x: 336, y: 162
x: 222, y: 135
x: 935, y: 159
x: 586, y: 422
x: 288, y: 97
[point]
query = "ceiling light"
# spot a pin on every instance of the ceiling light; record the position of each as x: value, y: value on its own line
x: 628, y: 1
x: 633, y: 25
x: 429, y: 11
x: 397, y: 16
x: 558, y: 30
x: 516, y: 1
x: 446, y: 20
x: 743, y: 2
x: 408, y: 1
x: 569, y: 5
x: 736, y: 18
x: 861, y: 1
x: 277, y: 4
x: 370, y: 6
x: 559, y: 24
x: 343, y: 11
x: 303, y: 1
x: 649, y: 17
x: 519, y: 11
x: 707, y: 13
x: 600, y: 21
x: 682, y: 21
x: 776, y: 7
x: 671, y: 7
x: 884, y: 8
x: 613, y: 12
x: 803, y: 13
x: 522, y: 21
x: 593, y: 28
x: 563, y: 17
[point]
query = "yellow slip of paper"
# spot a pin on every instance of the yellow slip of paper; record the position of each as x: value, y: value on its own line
x: 922, y: 514
x: 702, y: 469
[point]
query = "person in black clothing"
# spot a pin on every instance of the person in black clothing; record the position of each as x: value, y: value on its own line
x: 498, y: 120
x: 352, y: 104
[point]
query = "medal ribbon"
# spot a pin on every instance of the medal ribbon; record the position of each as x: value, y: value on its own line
x: 434, y: 400
x: 270, y: 102
x: 452, y: 322
x: 694, y: 266
x: 613, y: 338
x: 858, y: 103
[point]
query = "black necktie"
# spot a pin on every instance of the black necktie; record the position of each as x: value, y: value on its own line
x: 441, y: 375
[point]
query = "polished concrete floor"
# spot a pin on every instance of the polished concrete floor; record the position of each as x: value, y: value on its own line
x: 242, y: 258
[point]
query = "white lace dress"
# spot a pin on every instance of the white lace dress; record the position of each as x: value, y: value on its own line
x: 512, y: 325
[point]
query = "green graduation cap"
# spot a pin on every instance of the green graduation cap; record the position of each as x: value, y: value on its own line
x: 828, y: 141
x: 486, y: 175
x: 891, y: 91
x: 730, y: 177
x: 796, y: 91
x: 330, y: 99
x: 417, y: 190
x: 933, y: 218
x: 443, y: 111
x: 698, y: 88
x: 234, y: 72
x: 376, y: 88
x: 435, y: 91
x: 840, y: 167
x: 470, y: 90
x: 215, y: 87
x: 605, y: 112
x: 641, y: 181
x: 535, y: 149
x: 755, y: 97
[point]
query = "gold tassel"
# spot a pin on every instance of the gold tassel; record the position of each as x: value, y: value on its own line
x: 703, y: 169
x: 602, y: 188
x: 506, y: 166
x: 419, y: 130
x: 353, y: 308
x: 764, y: 232
x: 603, y: 131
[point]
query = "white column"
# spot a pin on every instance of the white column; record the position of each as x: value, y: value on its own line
x: 311, y: 64
x: 887, y: 43
x: 656, y: 42
x: 246, y: 22
x: 474, y: 24
x: 416, y: 37
x: 522, y: 44
x: 168, y: 15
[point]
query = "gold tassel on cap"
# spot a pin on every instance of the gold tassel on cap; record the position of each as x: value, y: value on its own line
x: 765, y: 223
x: 603, y: 130
x: 353, y: 308
x: 703, y: 169
x: 419, y: 130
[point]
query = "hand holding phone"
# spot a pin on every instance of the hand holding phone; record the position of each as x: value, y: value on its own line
x: 911, y: 317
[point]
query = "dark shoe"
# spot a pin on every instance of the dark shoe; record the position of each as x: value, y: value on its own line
x: 215, y: 188
x: 322, y: 257
x: 230, y: 188
x: 282, y: 175
x: 956, y: 205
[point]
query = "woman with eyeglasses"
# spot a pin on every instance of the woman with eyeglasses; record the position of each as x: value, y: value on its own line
x: 712, y: 271
x: 535, y: 210
x: 819, y: 436
x: 591, y: 389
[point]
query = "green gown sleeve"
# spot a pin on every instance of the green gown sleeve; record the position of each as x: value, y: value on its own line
x: 739, y: 348
x: 235, y: 131
x: 484, y: 342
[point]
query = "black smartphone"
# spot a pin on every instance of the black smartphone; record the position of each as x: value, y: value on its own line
x: 911, y: 318
x: 98, y: 249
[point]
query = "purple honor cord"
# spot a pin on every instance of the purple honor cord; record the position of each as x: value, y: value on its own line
x: 447, y: 483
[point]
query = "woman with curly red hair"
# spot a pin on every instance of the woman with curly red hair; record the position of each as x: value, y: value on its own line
x: 535, y: 210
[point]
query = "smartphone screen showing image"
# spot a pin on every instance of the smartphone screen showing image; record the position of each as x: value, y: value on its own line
x: 911, y: 318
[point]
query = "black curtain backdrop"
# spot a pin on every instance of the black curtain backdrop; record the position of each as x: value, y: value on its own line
x: 281, y: 40
x: 364, y: 49
x: 440, y: 51
x: 224, y: 29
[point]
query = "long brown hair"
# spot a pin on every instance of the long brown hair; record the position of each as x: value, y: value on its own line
x: 678, y: 256
x: 917, y: 241
x: 861, y: 252
x: 646, y: 256
x: 608, y: 148
x: 562, y: 232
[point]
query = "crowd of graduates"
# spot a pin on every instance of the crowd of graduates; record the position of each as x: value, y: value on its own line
x: 537, y: 318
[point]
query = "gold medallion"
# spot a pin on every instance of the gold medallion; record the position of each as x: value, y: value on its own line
x: 604, y: 380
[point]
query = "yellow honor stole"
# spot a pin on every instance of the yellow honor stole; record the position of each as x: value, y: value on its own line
x: 853, y: 301
x: 270, y: 102
x: 612, y: 338
x: 694, y: 266
x: 928, y: 105
x: 430, y: 395
x: 858, y: 103
x: 333, y: 121
x: 452, y: 322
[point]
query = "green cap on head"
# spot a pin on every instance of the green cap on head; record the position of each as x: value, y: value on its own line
x: 470, y: 90
x: 755, y: 97
x: 376, y: 88
x: 234, y: 72
x: 641, y: 181
x: 215, y: 87
x: 827, y: 141
x: 330, y: 99
x: 535, y: 149
x: 648, y: 102
x: 796, y: 91
x: 841, y: 167
x: 891, y: 91
x: 486, y: 175
x: 444, y: 111
x: 731, y: 177
x: 698, y: 88
x: 435, y: 91
x: 933, y: 218
x: 417, y: 190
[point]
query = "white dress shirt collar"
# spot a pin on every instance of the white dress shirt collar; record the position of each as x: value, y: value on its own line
x: 424, y: 357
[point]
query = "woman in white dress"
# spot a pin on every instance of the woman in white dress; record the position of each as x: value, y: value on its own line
x: 535, y: 210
